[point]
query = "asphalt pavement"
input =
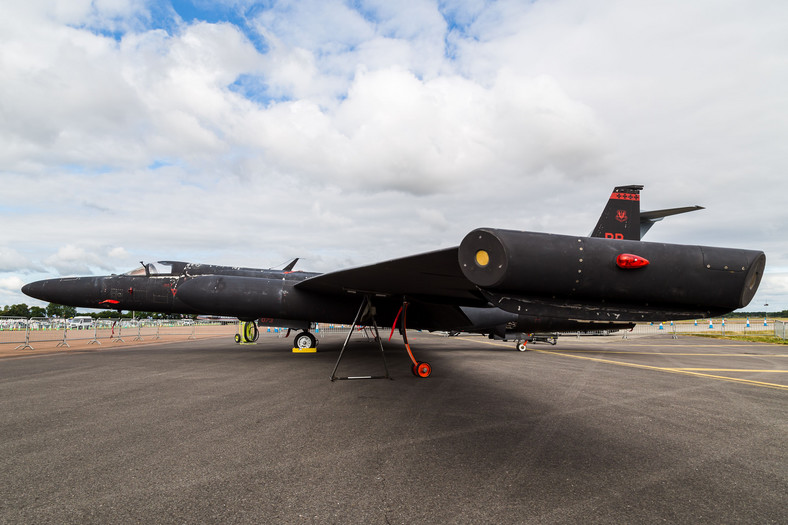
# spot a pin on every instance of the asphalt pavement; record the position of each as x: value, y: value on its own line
x: 592, y: 430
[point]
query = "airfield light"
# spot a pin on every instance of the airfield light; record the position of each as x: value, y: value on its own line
x: 482, y: 258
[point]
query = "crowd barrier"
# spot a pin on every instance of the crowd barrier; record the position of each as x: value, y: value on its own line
x: 779, y: 329
x: 709, y: 326
x: 25, y: 333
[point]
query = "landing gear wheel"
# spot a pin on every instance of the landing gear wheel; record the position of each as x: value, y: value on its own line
x: 305, y: 340
x: 522, y: 347
x: 251, y: 333
x: 422, y: 370
x: 237, y: 338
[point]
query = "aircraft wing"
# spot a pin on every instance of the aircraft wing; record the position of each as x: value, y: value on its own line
x: 432, y: 276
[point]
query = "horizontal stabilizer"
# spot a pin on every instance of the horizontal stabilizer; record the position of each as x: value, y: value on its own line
x: 648, y: 218
x: 658, y: 214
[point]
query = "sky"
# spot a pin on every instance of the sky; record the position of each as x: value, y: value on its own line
x: 346, y: 133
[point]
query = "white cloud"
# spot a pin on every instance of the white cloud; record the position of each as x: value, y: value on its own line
x: 74, y: 260
x: 10, y: 291
x: 776, y: 282
x: 118, y: 253
x: 11, y: 260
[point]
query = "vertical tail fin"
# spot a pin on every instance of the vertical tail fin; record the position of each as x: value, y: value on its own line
x: 291, y: 265
x: 621, y: 217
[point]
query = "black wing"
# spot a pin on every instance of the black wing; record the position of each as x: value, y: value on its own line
x: 431, y: 277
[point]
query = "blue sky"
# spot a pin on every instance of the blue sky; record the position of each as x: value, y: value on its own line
x: 247, y: 133
x: 239, y: 14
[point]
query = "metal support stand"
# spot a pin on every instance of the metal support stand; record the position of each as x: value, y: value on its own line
x: 118, y: 338
x: 26, y: 345
x: 139, y: 332
x: 64, y: 342
x: 367, y: 334
x: 365, y: 309
x: 95, y: 340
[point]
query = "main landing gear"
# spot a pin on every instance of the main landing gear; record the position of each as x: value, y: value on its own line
x: 248, y: 333
x: 304, y: 340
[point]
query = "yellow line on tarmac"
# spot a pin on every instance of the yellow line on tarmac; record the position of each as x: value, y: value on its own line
x: 647, y: 367
x: 670, y: 370
x: 733, y: 370
x: 675, y: 342
x: 486, y: 341
x: 569, y: 350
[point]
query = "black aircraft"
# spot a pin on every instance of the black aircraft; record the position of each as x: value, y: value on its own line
x: 494, y: 282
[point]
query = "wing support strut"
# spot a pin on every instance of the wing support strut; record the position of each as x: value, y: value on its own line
x: 365, y: 310
x: 420, y: 369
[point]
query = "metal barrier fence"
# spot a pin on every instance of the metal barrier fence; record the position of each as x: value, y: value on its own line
x: 779, y: 329
x: 26, y: 332
x: 13, y: 330
x: 709, y: 326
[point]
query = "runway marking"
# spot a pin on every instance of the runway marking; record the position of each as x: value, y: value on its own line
x: 569, y: 350
x: 751, y: 382
x: 671, y: 370
x: 690, y: 345
x: 733, y: 370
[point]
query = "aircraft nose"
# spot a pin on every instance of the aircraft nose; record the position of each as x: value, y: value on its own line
x: 71, y: 291
x: 35, y: 289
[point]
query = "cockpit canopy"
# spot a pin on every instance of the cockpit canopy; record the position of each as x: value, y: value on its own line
x: 159, y: 268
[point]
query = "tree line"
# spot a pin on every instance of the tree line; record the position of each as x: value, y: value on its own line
x: 741, y: 315
x: 58, y: 310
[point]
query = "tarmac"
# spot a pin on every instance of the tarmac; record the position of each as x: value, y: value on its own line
x: 593, y: 430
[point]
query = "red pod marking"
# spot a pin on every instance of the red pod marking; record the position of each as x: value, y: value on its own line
x: 628, y: 261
